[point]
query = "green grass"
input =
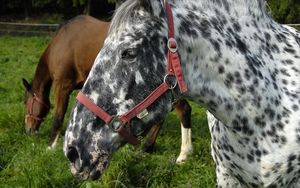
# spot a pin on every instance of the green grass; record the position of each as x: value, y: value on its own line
x: 25, y: 161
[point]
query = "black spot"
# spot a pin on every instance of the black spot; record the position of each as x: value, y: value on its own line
x: 204, y: 28
x: 284, y: 81
x: 212, y: 105
x: 258, y: 153
x: 226, y: 157
x: 229, y: 107
x: 295, y: 107
x: 267, y: 36
x: 247, y: 74
x: 241, y: 46
x: 270, y: 113
x: 185, y: 28
x: 259, y: 121
x: 229, y: 79
x: 250, y: 158
x: 283, y: 140
x: 291, y: 157
x: 216, y: 45
x: 238, y: 78
x: 236, y: 126
x: 274, y: 48
x: 237, y: 27
x: 289, y: 50
x: 284, y: 72
x: 221, y: 69
x: 280, y: 38
x: 290, y: 169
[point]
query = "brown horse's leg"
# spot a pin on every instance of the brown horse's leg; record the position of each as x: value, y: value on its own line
x: 151, y: 137
x: 61, y: 94
x: 183, y: 111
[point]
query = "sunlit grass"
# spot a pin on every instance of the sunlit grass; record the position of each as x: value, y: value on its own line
x: 25, y: 161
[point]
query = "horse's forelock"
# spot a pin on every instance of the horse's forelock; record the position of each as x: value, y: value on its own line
x: 124, y: 14
x: 132, y: 10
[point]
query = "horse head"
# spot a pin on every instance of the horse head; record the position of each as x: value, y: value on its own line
x: 36, y: 109
x: 131, y: 65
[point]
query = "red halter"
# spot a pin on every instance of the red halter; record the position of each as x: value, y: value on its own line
x: 30, y: 111
x: 173, y: 69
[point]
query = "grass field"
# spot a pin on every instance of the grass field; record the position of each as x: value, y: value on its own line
x: 25, y: 162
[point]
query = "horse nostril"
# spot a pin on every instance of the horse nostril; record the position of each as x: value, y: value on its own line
x: 72, y: 154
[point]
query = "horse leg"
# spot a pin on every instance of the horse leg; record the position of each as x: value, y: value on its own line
x: 151, y: 137
x: 183, y: 111
x: 61, y: 94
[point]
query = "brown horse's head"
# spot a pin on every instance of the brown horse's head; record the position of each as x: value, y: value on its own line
x: 36, y: 109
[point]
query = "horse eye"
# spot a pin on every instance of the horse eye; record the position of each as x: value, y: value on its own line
x: 128, y: 54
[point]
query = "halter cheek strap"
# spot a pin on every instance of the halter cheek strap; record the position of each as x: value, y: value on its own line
x: 118, y: 123
x: 30, y: 112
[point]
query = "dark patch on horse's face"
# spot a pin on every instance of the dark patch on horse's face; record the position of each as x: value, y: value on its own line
x: 131, y: 64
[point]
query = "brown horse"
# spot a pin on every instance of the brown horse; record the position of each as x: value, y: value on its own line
x: 65, y: 65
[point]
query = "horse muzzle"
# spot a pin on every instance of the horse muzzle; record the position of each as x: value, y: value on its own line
x: 31, y: 128
x: 87, y: 168
x: 31, y: 131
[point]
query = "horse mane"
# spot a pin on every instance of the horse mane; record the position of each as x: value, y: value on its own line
x: 125, y: 12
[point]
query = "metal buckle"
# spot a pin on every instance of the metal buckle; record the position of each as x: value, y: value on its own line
x: 168, y: 83
x: 172, y: 49
x: 115, y: 123
x: 143, y: 114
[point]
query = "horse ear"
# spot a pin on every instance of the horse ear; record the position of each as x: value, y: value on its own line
x: 156, y: 7
x: 26, y: 84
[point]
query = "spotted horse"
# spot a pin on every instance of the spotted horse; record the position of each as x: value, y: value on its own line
x: 235, y: 60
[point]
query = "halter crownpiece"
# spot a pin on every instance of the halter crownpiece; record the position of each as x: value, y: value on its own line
x: 174, y: 67
x: 117, y: 123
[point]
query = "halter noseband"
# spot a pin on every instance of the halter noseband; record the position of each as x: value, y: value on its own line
x: 30, y: 111
x: 174, y: 69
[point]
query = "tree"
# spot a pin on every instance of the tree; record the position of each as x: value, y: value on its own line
x: 285, y: 11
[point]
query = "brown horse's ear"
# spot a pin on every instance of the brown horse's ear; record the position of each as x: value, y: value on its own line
x: 26, y: 84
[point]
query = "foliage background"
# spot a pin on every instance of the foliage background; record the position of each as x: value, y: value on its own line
x: 284, y: 11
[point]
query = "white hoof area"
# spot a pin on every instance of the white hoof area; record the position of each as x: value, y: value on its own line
x: 50, y: 148
x: 183, y: 156
x: 181, y: 159
x: 53, y: 144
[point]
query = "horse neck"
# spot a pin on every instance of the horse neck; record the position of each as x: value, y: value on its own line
x: 41, y: 82
x: 202, y: 30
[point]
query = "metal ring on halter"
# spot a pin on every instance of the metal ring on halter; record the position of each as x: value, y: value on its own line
x: 115, y: 123
x: 170, y: 86
x: 170, y: 47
